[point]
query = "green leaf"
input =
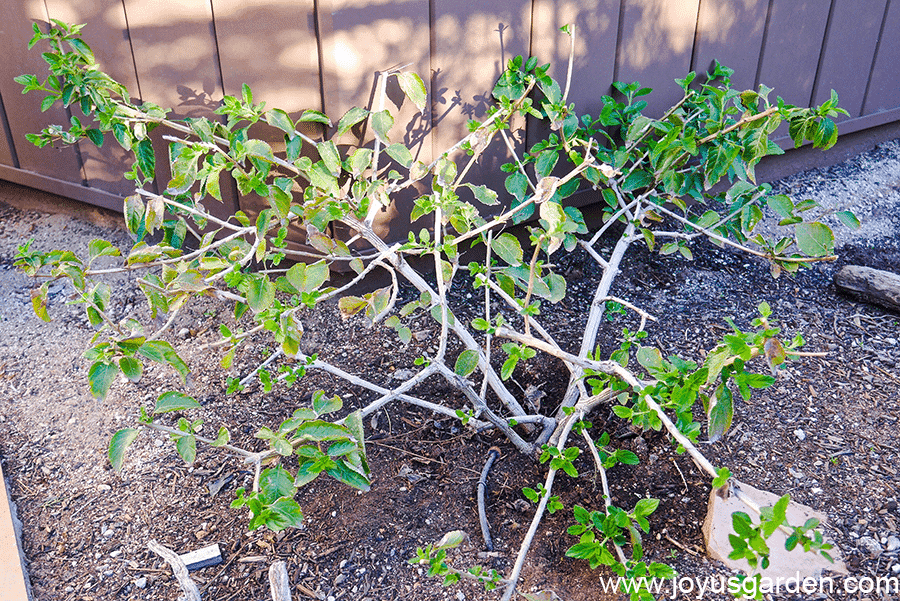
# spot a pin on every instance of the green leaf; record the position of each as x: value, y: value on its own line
x: 131, y: 367
x: 360, y: 161
x: 330, y: 157
x: 283, y: 513
x: 382, y: 122
x: 146, y: 160
x: 507, y: 247
x: 645, y: 507
x: 101, y: 376
x: 451, y: 540
x: 720, y: 413
x: 259, y: 149
x: 120, y: 441
x: 345, y: 474
x: 39, y: 301
x: 466, y: 362
x: 323, y: 404
x: 782, y: 205
x: 545, y: 163
x: 779, y: 513
x: 280, y: 119
x: 350, y: 118
x: 222, y: 438
x: 321, y: 430
x: 134, y: 214
x: 313, y: 116
x: 400, y: 153
x: 306, y: 278
x: 187, y: 448
x: 638, y: 179
x: 162, y: 352
x: 849, y: 219
x: 276, y: 482
x: 173, y: 400
x: 814, y: 239
x: 414, y: 88
x: 260, y: 294
x: 517, y: 185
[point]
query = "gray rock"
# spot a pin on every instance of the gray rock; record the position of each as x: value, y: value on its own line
x: 141, y: 582
x: 893, y: 544
x: 870, y: 546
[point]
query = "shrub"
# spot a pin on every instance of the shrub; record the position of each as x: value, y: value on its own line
x: 662, y: 182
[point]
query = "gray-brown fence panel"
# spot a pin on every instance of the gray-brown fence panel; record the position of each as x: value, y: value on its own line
x: 596, y: 25
x: 731, y: 31
x: 657, y: 38
x: 792, y: 47
x: 24, y: 112
x: 178, y: 68
x: 170, y: 53
x: 884, y: 87
x: 848, y: 53
x: 470, y: 48
x: 271, y: 46
x: 595, y: 32
x: 361, y: 39
x: 106, y: 29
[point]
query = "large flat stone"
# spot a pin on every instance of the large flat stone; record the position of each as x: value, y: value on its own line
x: 782, y: 563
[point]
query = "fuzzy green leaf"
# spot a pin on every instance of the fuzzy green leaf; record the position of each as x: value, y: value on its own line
x: 414, y: 88
x: 350, y: 118
x: 260, y: 294
x: 101, y: 376
x: 814, y: 239
x: 466, y: 362
x: 120, y: 441
x: 173, y: 400
x: 507, y: 247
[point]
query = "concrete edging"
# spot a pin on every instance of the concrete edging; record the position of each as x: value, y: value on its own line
x: 14, y: 585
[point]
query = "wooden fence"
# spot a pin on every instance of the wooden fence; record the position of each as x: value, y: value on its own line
x: 324, y: 54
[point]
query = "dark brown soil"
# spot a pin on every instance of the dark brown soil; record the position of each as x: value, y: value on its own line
x: 86, y: 528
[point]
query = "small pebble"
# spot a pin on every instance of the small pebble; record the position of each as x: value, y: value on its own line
x: 870, y: 546
x: 800, y: 434
x: 116, y: 553
x: 141, y: 582
x: 896, y: 568
x: 460, y: 596
x: 893, y: 544
x: 104, y: 487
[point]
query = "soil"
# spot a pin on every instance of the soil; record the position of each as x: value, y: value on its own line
x: 826, y: 432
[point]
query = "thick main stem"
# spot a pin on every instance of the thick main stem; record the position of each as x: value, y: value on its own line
x: 595, y: 317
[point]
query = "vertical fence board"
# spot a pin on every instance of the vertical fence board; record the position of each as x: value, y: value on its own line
x: 359, y: 40
x: 731, y: 31
x: 271, y: 46
x: 791, y: 51
x: 177, y: 68
x: 884, y: 87
x: 655, y: 47
x: 6, y: 154
x: 596, y: 23
x: 107, y: 33
x: 24, y: 111
x: 849, y: 53
x: 470, y: 50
